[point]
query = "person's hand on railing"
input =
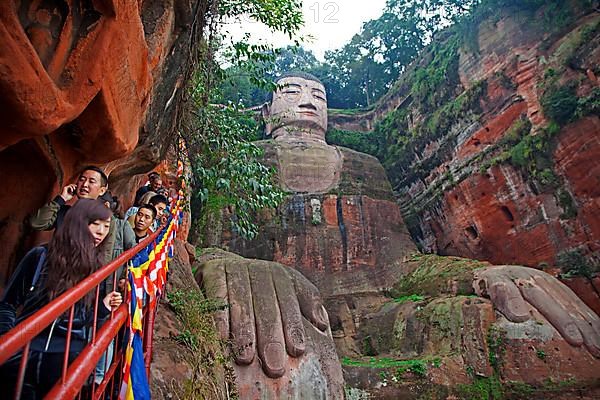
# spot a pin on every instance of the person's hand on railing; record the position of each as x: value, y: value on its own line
x: 112, y: 300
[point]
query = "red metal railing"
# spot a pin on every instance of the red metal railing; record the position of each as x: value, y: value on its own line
x: 75, y: 376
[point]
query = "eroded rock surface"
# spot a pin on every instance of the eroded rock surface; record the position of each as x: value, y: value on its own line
x: 461, y: 187
x: 74, y: 92
x: 409, y: 325
x: 277, y: 326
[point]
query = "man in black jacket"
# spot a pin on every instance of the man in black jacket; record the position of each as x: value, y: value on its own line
x: 91, y: 184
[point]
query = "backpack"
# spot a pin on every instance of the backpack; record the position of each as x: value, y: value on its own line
x: 8, y: 312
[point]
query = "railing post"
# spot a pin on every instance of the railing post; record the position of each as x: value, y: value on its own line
x: 148, y: 336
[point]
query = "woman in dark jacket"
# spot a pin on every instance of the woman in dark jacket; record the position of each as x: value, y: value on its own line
x: 74, y: 253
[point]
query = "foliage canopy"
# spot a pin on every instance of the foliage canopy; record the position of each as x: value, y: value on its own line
x: 225, y: 164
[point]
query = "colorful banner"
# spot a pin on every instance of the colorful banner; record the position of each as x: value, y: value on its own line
x: 147, y: 279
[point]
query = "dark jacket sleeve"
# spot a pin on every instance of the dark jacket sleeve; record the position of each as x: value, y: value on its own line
x: 20, y: 281
x: 45, y: 218
x: 139, y: 193
x: 17, y: 289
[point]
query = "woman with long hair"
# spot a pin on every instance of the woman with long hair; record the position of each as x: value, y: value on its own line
x: 46, y: 272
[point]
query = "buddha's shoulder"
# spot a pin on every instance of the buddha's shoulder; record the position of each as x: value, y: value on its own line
x: 363, y: 173
x: 360, y: 172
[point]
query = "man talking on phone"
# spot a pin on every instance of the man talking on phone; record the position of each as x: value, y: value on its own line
x: 91, y: 184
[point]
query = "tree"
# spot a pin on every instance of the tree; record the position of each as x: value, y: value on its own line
x: 225, y: 164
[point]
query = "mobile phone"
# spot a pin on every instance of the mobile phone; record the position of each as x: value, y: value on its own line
x: 71, y: 190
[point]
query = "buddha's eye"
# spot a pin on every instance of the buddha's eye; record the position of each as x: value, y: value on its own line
x: 319, y: 95
x: 291, y: 94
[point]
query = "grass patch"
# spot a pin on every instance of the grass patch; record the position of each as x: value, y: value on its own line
x: 203, y: 346
x: 489, y: 388
x: 419, y: 367
x: 413, y: 297
x: 434, y: 275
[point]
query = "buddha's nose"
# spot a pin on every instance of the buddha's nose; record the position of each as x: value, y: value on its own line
x: 306, y: 101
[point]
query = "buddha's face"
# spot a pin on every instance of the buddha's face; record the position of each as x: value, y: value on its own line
x: 298, y: 109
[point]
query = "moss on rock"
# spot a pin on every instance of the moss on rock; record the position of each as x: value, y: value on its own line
x: 434, y: 275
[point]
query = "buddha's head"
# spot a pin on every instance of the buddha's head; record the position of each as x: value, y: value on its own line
x: 298, y: 108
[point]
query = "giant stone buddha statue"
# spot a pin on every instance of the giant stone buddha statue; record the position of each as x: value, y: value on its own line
x: 340, y: 233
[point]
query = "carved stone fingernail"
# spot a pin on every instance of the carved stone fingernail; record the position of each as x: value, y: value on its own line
x: 273, y: 359
x: 320, y: 316
x: 244, y: 354
x: 573, y: 334
x: 297, y: 347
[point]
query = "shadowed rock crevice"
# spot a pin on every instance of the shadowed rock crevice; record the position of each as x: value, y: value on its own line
x: 343, y: 233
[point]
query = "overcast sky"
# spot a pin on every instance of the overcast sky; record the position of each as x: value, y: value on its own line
x: 330, y: 23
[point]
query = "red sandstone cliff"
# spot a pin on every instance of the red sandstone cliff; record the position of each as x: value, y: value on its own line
x: 85, y: 83
x: 460, y: 191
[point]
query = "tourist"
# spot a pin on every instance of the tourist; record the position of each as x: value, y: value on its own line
x: 160, y: 203
x: 154, y: 184
x: 142, y: 221
x: 91, y: 183
x: 131, y: 211
x: 74, y: 253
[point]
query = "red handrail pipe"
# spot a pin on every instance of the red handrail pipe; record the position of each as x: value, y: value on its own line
x: 81, y: 368
x: 19, y: 336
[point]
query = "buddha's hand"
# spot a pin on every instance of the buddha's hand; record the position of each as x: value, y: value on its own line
x: 514, y: 290
x: 266, y: 304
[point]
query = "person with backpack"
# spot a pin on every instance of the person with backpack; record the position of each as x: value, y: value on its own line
x: 75, y: 251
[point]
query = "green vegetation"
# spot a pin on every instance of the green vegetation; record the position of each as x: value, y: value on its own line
x: 487, y: 388
x: 560, y: 103
x: 491, y: 388
x: 398, y: 145
x: 203, y: 347
x: 346, y: 111
x: 358, y: 141
x: 434, y: 275
x: 533, y: 152
x: 541, y: 354
x: 589, y: 105
x: 363, y: 70
x: 572, y: 45
x: 482, y: 388
x: 495, y: 341
x: 434, y: 82
x: 226, y: 170
x: 573, y: 263
x: 418, y: 367
x: 567, y: 203
x: 413, y: 297
x: 419, y: 136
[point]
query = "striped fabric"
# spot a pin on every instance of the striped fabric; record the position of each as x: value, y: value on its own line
x: 147, y: 278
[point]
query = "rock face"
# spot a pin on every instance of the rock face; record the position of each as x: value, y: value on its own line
x: 457, y: 344
x: 438, y: 338
x: 349, y: 241
x: 344, y: 240
x: 480, y: 167
x: 74, y: 92
x: 489, y: 215
x: 281, y: 351
x: 178, y: 370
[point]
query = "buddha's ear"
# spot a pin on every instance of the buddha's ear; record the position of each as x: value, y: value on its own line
x: 265, y: 111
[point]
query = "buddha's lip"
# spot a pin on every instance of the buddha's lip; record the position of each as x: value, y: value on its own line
x: 308, y: 113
